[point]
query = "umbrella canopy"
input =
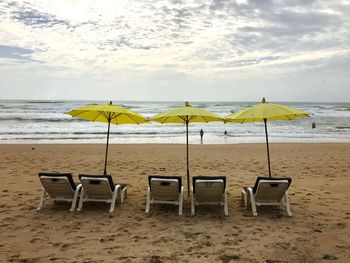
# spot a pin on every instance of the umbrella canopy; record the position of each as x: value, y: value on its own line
x: 107, y: 113
x: 264, y: 112
x: 186, y: 115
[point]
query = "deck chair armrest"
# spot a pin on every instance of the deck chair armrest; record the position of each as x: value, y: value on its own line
x: 79, y: 186
x: 122, y: 185
x: 252, y: 200
x: 251, y: 193
x: 117, y: 187
x: 75, y: 198
x: 182, y: 189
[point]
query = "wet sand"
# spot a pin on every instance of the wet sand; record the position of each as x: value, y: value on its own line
x: 319, y: 230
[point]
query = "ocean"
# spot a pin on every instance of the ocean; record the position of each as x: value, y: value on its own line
x: 33, y: 122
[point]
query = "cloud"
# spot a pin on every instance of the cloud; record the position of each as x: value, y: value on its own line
x: 15, y: 52
x: 182, y: 33
x: 196, y: 38
x: 32, y: 17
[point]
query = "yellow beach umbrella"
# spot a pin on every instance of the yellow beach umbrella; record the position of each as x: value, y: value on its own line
x: 264, y: 112
x: 110, y: 114
x: 186, y: 115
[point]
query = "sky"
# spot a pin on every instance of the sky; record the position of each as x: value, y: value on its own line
x: 196, y: 50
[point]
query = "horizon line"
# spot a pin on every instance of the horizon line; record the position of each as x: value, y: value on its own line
x: 170, y: 101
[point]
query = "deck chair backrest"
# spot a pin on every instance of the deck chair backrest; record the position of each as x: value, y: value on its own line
x: 97, y: 187
x: 271, y: 191
x: 271, y: 179
x: 165, y: 189
x: 58, y: 185
x: 207, y: 190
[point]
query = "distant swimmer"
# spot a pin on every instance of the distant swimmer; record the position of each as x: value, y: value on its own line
x: 313, y: 125
x: 225, y: 133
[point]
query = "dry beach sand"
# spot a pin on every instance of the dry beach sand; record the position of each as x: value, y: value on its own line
x: 319, y: 230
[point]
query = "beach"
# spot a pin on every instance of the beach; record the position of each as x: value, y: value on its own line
x: 121, y: 102
x: 319, y: 230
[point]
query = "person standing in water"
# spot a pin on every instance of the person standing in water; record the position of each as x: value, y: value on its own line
x: 201, y: 133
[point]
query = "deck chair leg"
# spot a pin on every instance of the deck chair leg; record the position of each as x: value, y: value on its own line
x: 75, y: 198
x: 225, y: 204
x: 81, y: 200
x: 192, y: 203
x: 181, y: 198
x: 286, y: 200
x: 123, y: 194
x: 148, y: 200
x: 42, y: 198
x: 114, y: 198
x: 252, y: 201
x: 244, y: 198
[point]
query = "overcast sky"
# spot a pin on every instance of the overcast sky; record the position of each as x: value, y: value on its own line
x: 242, y: 50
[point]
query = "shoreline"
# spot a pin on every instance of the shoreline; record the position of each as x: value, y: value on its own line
x: 184, y: 143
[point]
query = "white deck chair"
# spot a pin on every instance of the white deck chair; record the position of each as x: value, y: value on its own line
x: 59, y: 187
x: 209, y: 190
x: 164, y: 190
x: 267, y: 191
x: 100, y: 188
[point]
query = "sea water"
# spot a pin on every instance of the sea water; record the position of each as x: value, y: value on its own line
x: 46, y: 122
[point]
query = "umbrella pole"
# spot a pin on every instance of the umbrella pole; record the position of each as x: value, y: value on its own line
x: 188, y: 171
x: 105, y: 170
x: 267, y: 145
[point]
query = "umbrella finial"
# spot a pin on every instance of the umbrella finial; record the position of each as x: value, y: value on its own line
x: 187, y: 104
x: 263, y: 100
x: 110, y: 102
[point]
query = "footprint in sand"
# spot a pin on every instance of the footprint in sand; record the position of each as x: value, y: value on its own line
x: 155, y: 259
x: 227, y: 258
x: 329, y: 257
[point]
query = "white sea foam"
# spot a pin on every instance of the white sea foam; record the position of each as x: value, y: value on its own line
x: 45, y: 122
